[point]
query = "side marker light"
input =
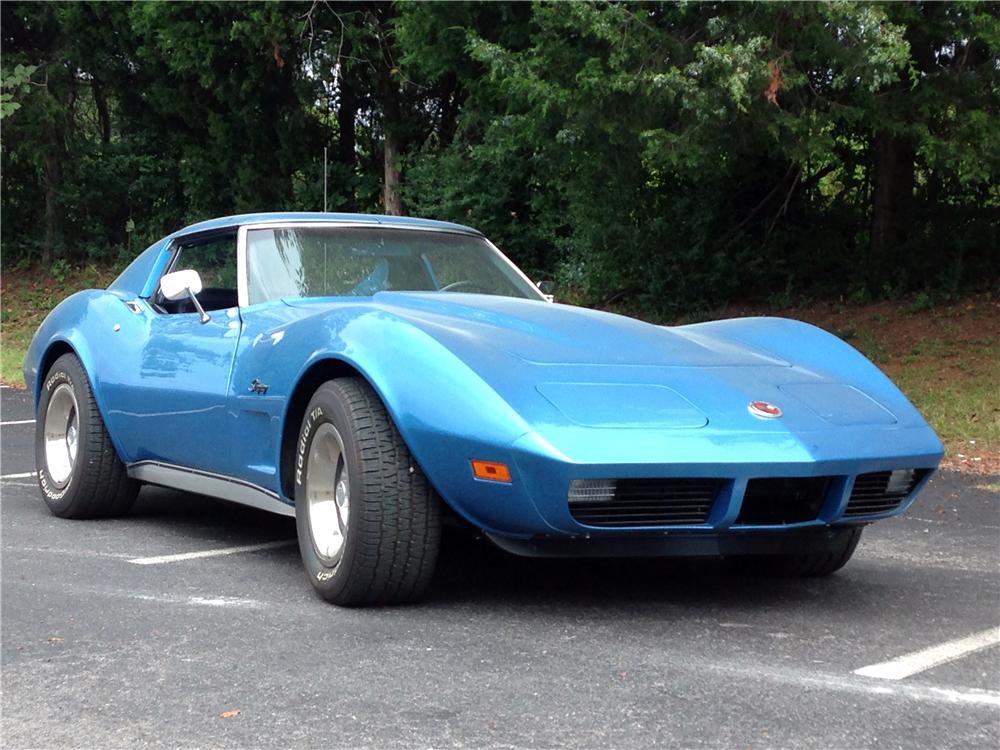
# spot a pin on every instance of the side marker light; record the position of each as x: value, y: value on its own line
x: 492, y: 471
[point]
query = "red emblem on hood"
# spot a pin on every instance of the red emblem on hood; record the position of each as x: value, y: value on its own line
x: 764, y: 410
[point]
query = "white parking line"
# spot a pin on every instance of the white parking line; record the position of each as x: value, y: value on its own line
x: 17, y: 421
x: 829, y: 681
x: 210, y: 553
x: 204, y: 601
x: 25, y: 475
x: 919, y: 661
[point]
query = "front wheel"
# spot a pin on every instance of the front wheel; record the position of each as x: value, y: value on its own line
x: 79, y: 471
x: 368, y: 521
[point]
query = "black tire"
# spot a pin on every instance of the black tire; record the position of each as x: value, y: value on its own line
x: 814, y: 565
x: 393, y: 530
x: 93, y: 483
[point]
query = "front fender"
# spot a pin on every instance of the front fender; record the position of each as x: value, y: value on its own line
x: 443, y: 409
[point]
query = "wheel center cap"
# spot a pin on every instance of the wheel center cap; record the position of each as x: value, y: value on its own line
x: 342, y: 495
x: 71, y: 441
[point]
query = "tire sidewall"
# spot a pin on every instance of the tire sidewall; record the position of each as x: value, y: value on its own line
x: 67, y: 371
x: 325, y: 408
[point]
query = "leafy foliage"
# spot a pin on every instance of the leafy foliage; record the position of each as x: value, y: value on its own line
x: 660, y: 155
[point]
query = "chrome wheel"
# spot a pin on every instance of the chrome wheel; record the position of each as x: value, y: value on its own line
x: 328, y: 493
x: 61, y: 434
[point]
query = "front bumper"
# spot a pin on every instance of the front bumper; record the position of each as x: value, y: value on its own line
x: 535, y: 504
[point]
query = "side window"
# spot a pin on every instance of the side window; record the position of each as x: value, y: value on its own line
x: 215, y: 261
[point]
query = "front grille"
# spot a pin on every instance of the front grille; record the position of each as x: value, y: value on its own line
x: 778, y: 501
x: 642, y: 502
x: 882, y: 491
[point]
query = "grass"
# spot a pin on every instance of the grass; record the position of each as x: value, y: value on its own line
x: 946, y: 358
x: 26, y: 296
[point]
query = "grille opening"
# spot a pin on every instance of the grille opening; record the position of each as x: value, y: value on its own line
x: 882, y: 491
x: 777, y: 501
x: 642, y: 502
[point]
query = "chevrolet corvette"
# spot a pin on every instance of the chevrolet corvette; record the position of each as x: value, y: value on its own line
x: 373, y: 376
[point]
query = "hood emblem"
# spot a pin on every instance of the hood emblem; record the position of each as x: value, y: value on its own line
x: 764, y: 410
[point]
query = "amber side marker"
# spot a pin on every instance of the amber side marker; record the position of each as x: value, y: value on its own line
x: 492, y: 471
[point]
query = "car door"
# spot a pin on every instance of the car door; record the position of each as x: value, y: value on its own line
x: 169, y: 396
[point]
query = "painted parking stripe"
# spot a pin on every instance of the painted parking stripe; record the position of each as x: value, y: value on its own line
x: 201, y: 601
x: 24, y: 475
x: 159, y: 560
x: 919, y: 661
x: 17, y: 421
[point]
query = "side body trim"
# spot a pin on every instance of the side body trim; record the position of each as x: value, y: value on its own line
x: 207, y: 483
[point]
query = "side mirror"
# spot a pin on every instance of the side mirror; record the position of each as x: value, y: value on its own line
x: 547, y: 288
x: 180, y: 284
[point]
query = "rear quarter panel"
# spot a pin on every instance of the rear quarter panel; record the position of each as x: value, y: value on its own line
x: 84, y: 323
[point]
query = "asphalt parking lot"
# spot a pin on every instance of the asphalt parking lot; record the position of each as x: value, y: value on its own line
x: 190, y: 623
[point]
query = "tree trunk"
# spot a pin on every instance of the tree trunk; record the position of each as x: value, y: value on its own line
x: 347, y: 115
x: 393, y: 179
x: 391, y: 120
x: 392, y: 193
x: 892, y: 193
x: 347, y: 111
x: 103, y: 116
x: 53, y: 181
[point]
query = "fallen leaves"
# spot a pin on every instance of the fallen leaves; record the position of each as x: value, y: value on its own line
x: 776, y: 83
x: 230, y: 713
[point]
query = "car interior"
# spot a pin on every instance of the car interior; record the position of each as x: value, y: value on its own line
x: 214, y: 258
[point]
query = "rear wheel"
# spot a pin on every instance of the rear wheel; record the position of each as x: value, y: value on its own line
x: 368, y: 521
x: 79, y: 471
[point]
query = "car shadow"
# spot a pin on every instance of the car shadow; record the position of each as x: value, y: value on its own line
x: 472, y: 571
x: 208, y: 518
x: 475, y: 570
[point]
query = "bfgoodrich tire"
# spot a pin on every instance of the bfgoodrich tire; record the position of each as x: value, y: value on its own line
x: 806, y: 565
x: 821, y: 563
x: 368, y: 521
x: 79, y: 471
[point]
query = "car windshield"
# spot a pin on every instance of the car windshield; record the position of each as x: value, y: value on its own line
x: 327, y: 261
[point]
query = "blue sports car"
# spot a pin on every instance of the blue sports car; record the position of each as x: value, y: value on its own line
x: 373, y: 376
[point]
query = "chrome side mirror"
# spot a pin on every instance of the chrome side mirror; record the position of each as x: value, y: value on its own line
x: 181, y: 284
x: 547, y: 288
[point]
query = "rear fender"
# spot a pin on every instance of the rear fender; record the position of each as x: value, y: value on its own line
x: 62, y: 331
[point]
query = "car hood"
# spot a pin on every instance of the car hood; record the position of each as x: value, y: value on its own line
x: 563, y: 367
x: 540, y: 333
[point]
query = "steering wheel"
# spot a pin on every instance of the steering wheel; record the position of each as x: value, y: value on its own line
x: 461, y: 284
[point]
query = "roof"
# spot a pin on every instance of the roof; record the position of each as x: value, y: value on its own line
x: 376, y: 219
